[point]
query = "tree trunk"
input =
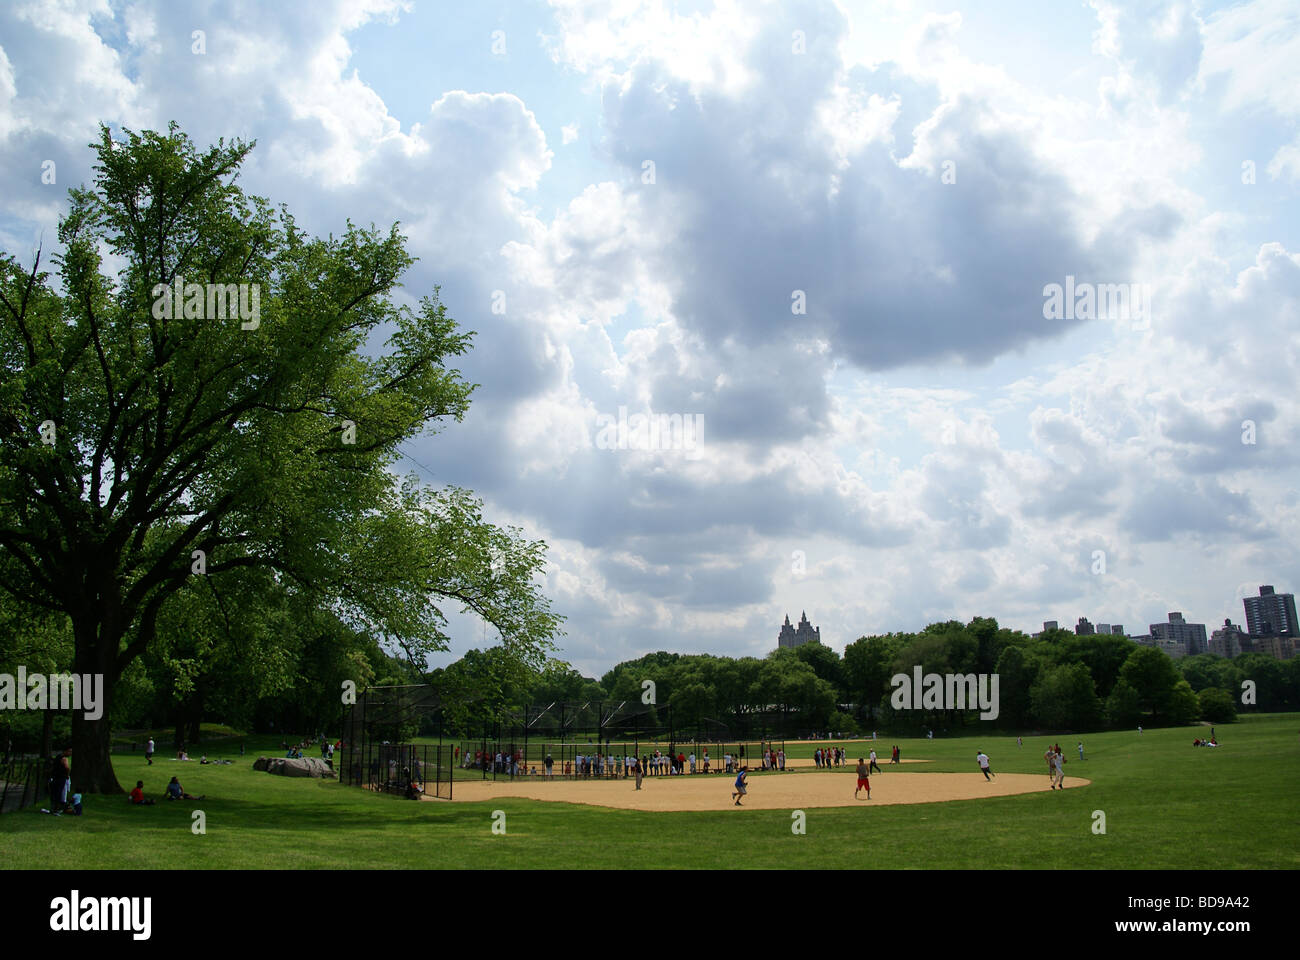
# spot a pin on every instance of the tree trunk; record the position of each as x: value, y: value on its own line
x: 92, y: 740
x: 47, y: 735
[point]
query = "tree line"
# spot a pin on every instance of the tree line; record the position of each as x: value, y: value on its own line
x: 1054, y: 681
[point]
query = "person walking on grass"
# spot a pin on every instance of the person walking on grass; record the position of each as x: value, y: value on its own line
x: 148, y: 751
x: 1050, y: 757
x: 864, y: 782
x: 873, y: 765
x: 1020, y: 743
x: 1080, y: 749
x: 983, y: 759
x: 740, y: 790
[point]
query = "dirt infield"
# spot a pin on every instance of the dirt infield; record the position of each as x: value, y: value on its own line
x: 766, y: 792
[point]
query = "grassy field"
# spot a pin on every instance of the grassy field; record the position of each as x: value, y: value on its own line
x: 1167, y: 805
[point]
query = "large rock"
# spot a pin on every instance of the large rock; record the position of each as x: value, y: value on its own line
x: 294, y: 767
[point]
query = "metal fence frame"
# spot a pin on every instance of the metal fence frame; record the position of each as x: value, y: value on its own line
x: 605, y: 760
x: 376, y: 756
x: 378, y: 727
x: 22, y: 782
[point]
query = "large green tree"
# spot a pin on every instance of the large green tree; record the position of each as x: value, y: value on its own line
x: 868, y: 665
x: 1064, y: 697
x: 141, y: 446
x: 1152, y: 675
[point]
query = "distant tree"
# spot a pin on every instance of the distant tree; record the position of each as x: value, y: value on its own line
x: 930, y: 651
x: 1104, y: 655
x: 1064, y: 696
x: 1274, y: 687
x: 1124, y: 705
x: 1217, y: 706
x: 1290, y: 681
x: 1199, y: 670
x: 1152, y: 674
x: 1182, y: 706
x: 558, y: 681
x: 691, y: 702
x: 868, y: 665
x: 1057, y: 635
x: 1017, y: 672
x: 483, y: 688
x: 989, y: 642
x: 825, y: 662
x: 961, y: 648
x: 41, y: 641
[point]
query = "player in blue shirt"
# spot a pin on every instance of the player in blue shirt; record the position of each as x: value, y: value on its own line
x: 740, y: 786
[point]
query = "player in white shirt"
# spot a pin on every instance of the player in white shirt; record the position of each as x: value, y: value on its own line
x: 1059, y: 780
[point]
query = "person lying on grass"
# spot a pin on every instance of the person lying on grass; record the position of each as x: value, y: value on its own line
x: 176, y: 792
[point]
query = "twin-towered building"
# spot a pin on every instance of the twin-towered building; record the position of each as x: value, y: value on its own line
x: 805, y: 633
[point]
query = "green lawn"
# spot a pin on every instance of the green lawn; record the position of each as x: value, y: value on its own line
x: 1167, y: 805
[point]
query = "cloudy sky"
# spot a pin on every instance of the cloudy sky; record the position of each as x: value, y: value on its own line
x: 823, y: 231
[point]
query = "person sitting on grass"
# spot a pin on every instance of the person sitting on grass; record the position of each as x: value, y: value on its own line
x: 176, y: 792
x: 137, y: 795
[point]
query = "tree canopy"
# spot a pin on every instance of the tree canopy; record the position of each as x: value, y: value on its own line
x: 150, y: 442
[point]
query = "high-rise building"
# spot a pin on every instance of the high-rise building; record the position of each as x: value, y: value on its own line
x: 1227, y: 640
x: 1178, y: 631
x: 1049, y: 625
x: 1280, y: 648
x: 1271, y: 614
x: 806, y: 633
x: 1176, y: 649
x: 1083, y: 628
x: 1103, y: 628
x: 1117, y: 629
